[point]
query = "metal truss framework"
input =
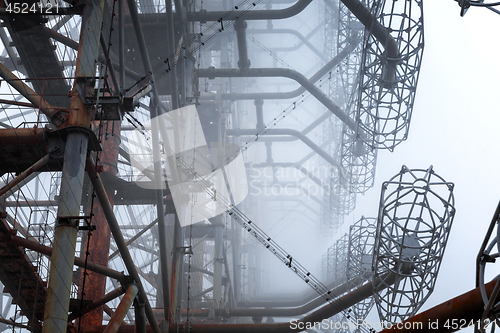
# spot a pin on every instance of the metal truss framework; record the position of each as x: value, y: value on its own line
x: 70, y: 192
x: 415, y: 216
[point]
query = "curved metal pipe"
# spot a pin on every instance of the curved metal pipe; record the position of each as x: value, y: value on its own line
x: 292, y: 94
x: 282, y: 72
x: 286, y: 131
x: 327, y: 311
x: 371, y: 24
x: 278, y: 14
x: 291, y: 32
x: 295, y: 311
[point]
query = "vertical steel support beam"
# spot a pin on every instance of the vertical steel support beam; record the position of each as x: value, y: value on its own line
x: 178, y: 255
x: 218, y: 262
x: 95, y: 284
x: 121, y: 45
x: 160, y: 212
x: 260, y: 114
x: 236, y: 260
x: 177, y: 270
x: 140, y: 317
x: 63, y: 254
x: 171, y: 51
x: 122, y: 309
x: 241, y: 26
x: 154, y: 113
x: 75, y: 153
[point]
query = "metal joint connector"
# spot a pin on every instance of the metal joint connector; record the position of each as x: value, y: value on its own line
x: 71, y: 220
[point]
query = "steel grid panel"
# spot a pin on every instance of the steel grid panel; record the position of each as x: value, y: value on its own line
x: 341, y: 248
x: 387, y: 87
x: 340, y: 201
x: 349, y: 31
x: 415, y: 215
x: 357, y: 160
x: 488, y: 253
x: 360, y: 257
x: 330, y: 263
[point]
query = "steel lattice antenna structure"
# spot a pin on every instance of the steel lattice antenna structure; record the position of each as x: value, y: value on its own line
x: 360, y: 257
x: 86, y: 245
x: 416, y: 211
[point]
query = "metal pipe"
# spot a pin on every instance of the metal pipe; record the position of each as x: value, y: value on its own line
x: 140, y: 318
x: 177, y: 271
x: 327, y: 311
x: 286, y: 131
x: 171, y: 50
x: 80, y: 262
x: 218, y: 248
x: 241, y: 26
x: 75, y: 46
x: 297, y: 34
x: 97, y: 303
x: 235, y: 245
x: 371, y: 24
x: 139, y: 234
x: 121, y: 46
x: 66, y: 229
x: 204, y: 16
x: 260, y: 114
x: 120, y: 242
x: 27, y: 92
x: 307, y: 306
x: 296, y: 311
x: 297, y: 92
x: 260, y: 127
x: 282, y: 72
x: 141, y: 93
x: 22, y: 176
x: 122, y: 309
x: 154, y: 112
x: 464, y: 309
x: 99, y: 243
x: 22, y: 136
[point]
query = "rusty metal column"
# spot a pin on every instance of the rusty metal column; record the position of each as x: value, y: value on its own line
x: 122, y: 309
x: 95, y: 285
x: 63, y: 254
